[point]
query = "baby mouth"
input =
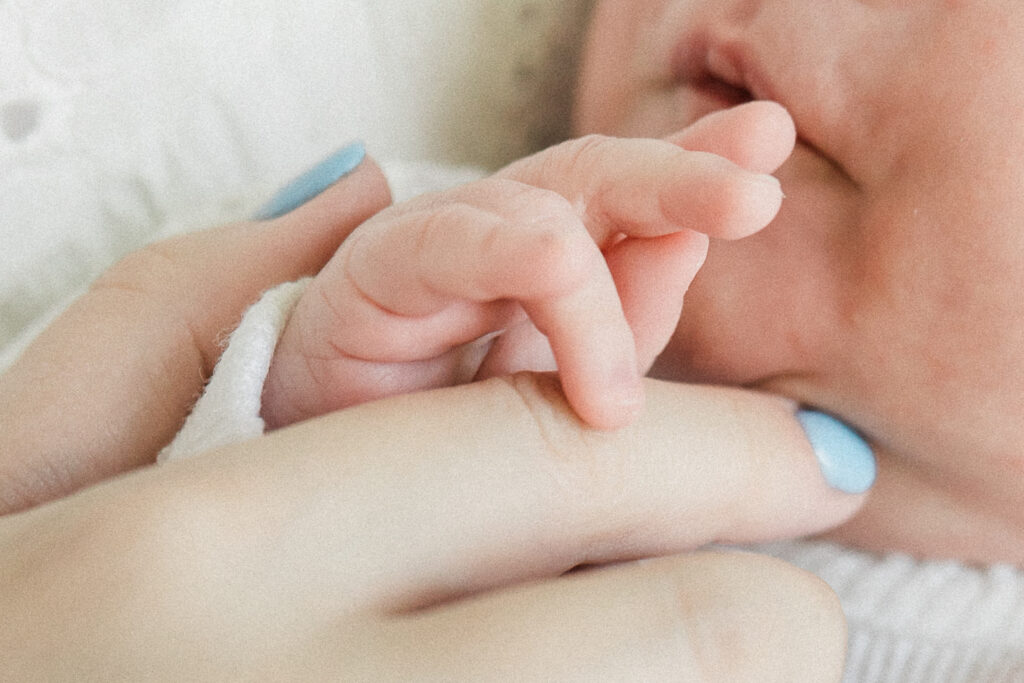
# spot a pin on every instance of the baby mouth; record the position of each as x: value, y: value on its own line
x: 722, y: 92
x: 719, y: 72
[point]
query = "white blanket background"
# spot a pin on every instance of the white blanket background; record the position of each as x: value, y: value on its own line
x: 124, y: 119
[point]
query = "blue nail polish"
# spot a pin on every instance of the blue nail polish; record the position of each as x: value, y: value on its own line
x: 314, y: 181
x: 846, y: 459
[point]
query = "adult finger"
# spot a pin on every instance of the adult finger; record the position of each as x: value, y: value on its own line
x: 109, y: 383
x: 424, y: 497
x: 691, y: 617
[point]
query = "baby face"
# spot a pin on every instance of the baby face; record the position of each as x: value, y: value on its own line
x: 890, y: 289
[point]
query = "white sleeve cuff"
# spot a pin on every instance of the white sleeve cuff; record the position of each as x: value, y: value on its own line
x: 229, y: 410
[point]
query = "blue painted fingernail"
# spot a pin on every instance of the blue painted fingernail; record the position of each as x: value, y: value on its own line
x: 846, y: 459
x: 314, y: 181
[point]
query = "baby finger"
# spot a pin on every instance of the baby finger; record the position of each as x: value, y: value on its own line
x: 647, y: 188
x: 545, y: 259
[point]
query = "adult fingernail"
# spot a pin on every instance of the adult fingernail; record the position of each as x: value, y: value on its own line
x: 314, y: 181
x: 846, y: 459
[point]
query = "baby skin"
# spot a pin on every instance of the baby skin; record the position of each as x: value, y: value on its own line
x: 576, y: 260
x: 886, y: 291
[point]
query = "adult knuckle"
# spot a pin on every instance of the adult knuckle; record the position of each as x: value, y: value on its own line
x: 146, y: 537
x: 145, y: 271
x: 28, y: 482
x: 790, y: 629
x: 584, y: 467
x: 155, y: 283
x: 166, y: 553
x: 546, y: 410
x: 811, y: 628
x: 172, y: 528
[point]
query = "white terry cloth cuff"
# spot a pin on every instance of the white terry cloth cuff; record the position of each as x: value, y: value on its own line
x: 229, y: 410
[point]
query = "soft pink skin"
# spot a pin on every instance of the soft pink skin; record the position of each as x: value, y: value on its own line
x: 593, y: 242
x: 889, y: 288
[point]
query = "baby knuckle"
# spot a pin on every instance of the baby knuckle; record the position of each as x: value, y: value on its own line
x: 560, y: 254
x: 507, y: 189
x: 582, y: 155
x: 528, y: 204
x: 740, y: 205
x: 541, y: 232
x: 561, y: 259
x: 434, y: 225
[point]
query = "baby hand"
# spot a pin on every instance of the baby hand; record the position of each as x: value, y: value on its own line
x: 576, y: 258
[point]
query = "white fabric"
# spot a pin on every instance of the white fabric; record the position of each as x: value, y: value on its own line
x: 229, y: 410
x: 124, y: 119
x: 922, y: 622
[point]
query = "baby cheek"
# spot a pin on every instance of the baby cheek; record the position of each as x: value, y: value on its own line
x: 760, y: 308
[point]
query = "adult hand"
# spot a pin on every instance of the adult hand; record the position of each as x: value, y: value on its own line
x: 423, y: 535
x: 110, y: 382
x: 428, y: 536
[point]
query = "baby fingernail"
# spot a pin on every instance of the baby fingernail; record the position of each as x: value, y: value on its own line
x: 314, y: 181
x: 846, y: 460
x: 758, y: 205
x: 770, y: 191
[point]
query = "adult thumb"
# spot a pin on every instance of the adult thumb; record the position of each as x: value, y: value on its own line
x: 110, y: 382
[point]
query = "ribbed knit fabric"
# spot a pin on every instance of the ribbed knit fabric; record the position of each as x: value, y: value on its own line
x: 913, y: 621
